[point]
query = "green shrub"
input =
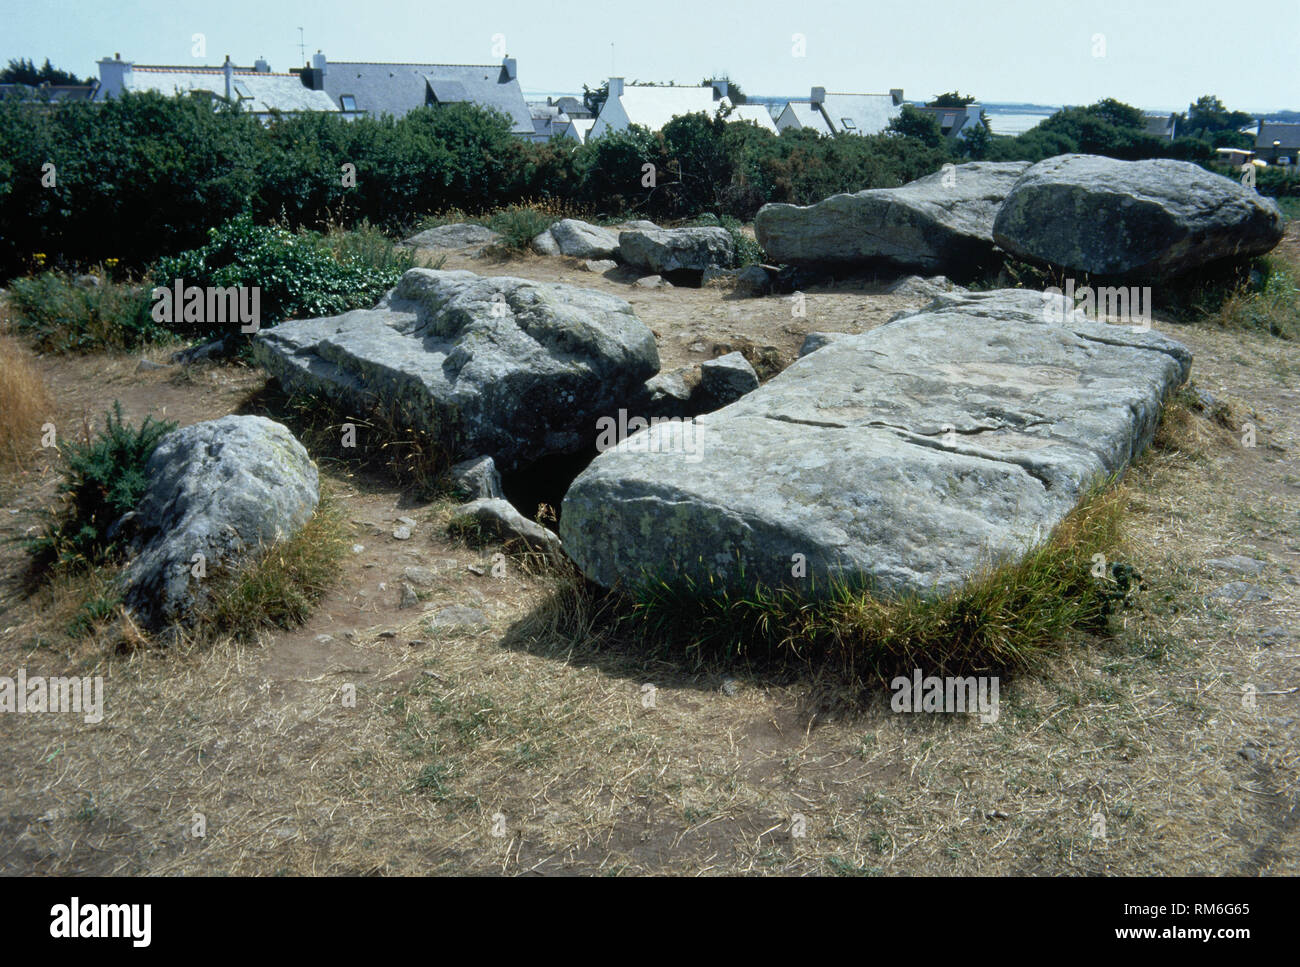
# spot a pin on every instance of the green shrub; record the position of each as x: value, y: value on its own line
x: 59, y: 315
x: 297, y: 274
x: 103, y: 478
x: 748, y: 251
x: 520, y: 224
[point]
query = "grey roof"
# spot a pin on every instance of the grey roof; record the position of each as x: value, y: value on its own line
x: 860, y: 113
x: 1270, y: 131
x: 1159, y: 125
x: 953, y: 120
x: 399, y: 88
x: 257, y: 91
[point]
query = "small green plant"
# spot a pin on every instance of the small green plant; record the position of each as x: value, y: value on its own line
x: 518, y: 225
x: 103, y: 479
x: 61, y: 315
x: 1273, y: 306
x: 748, y: 251
x: 297, y: 275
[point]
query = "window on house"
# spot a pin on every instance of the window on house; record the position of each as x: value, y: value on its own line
x: 242, y: 92
x: 847, y: 124
x: 349, y: 102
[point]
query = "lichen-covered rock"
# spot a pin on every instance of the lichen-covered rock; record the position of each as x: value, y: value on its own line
x: 225, y: 489
x: 459, y: 235
x: 496, y: 519
x: 940, y: 223
x: 476, y: 477
x: 664, y: 250
x: 504, y: 367
x: 1141, y: 220
x: 903, y: 459
x: 582, y: 240
x: 726, y: 379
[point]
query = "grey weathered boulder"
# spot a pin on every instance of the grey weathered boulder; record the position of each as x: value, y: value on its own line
x: 496, y: 519
x: 503, y: 367
x: 663, y: 250
x: 476, y: 477
x: 1132, y: 219
x: 544, y: 243
x: 940, y: 223
x: 226, y: 489
x: 904, y: 459
x: 459, y: 235
x: 582, y: 240
x: 726, y: 379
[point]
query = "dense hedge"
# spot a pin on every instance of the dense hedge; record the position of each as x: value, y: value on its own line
x: 144, y: 176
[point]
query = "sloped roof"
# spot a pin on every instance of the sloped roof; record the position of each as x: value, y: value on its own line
x: 808, y: 116
x: 1270, y: 131
x: 581, y: 127
x: 860, y: 113
x: 756, y: 113
x: 653, y: 107
x: 397, y: 89
x: 953, y: 120
x: 256, y: 91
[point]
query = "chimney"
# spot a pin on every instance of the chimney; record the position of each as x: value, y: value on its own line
x: 261, y: 66
x: 318, y: 62
x: 818, y: 95
x: 509, y: 71
x: 721, y: 89
x: 896, y: 93
x: 615, y: 87
x: 229, y: 70
x: 115, y: 75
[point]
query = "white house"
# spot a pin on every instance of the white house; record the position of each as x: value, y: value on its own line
x: 1163, y: 126
x: 652, y: 107
x: 837, y: 113
x: 255, y: 89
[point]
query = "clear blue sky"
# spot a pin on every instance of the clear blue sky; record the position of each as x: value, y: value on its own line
x: 1158, y: 53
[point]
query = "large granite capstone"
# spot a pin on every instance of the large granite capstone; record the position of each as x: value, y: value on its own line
x: 903, y: 459
x: 499, y: 367
x: 1139, y: 220
x: 942, y: 223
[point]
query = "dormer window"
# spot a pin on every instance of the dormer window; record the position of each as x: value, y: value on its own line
x: 847, y: 124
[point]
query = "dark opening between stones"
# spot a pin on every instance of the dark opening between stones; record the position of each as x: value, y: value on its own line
x: 545, y: 482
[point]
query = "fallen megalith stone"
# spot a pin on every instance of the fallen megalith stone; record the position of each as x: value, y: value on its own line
x: 940, y: 223
x: 493, y: 366
x: 670, y: 250
x: 459, y: 235
x: 902, y: 460
x: 224, y: 489
x: 1143, y: 220
x: 578, y: 239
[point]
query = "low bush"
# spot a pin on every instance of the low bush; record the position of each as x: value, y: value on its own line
x: 103, y: 478
x: 295, y: 274
x: 59, y: 314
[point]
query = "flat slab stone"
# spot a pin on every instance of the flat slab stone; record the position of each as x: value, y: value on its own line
x: 497, y: 366
x: 459, y: 235
x: 903, y: 459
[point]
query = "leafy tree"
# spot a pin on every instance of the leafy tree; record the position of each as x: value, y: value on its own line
x: 952, y: 99
x: 1208, y: 117
x: 921, y: 125
x: 26, y: 72
x: 593, y: 99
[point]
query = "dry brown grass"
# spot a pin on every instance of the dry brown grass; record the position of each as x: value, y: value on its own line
x: 24, y: 401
